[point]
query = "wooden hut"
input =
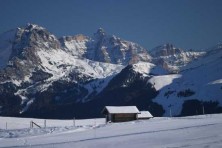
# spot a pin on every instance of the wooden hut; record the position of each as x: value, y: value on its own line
x: 144, y: 115
x: 120, y: 113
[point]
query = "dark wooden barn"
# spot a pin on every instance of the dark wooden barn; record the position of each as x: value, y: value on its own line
x: 120, y: 113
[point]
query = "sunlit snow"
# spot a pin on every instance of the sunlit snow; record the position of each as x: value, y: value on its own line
x: 159, y: 132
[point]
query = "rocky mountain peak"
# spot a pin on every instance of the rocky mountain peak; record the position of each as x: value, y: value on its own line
x: 171, y: 58
x: 77, y: 38
x: 100, y: 33
x: 114, y: 50
x: 165, y: 50
x: 31, y: 26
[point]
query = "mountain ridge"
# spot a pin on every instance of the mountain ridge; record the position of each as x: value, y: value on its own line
x: 42, y: 75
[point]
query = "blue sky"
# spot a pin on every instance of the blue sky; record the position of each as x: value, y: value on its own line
x: 195, y: 24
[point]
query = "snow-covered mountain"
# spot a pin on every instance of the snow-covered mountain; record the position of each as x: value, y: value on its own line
x: 199, y: 85
x: 36, y: 60
x: 45, y: 76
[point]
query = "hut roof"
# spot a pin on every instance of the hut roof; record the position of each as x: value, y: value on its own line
x: 145, y: 114
x: 120, y: 109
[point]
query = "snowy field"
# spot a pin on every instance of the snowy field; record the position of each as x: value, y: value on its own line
x: 195, y: 131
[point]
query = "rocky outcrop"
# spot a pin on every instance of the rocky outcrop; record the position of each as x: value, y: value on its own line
x: 173, y: 59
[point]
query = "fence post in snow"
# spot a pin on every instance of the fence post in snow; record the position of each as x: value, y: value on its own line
x: 203, y: 110
x: 74, y: 122
x: 94, y: 128
x: 30, y: 124
x: 45, y: 123
x: 6, y: 125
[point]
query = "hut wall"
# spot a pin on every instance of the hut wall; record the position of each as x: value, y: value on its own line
x: 123, y: 117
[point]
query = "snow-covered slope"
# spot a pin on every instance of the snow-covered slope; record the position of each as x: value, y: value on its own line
x: 60, y: 64
x: 93, y: 76
x: 159, y: 82
x: 76, y: 45
x: 191, y: 132
x: 200, y: 80
x: 147, y: 69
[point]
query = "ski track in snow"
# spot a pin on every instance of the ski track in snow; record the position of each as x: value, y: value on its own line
x: 160, y: 132
x: 133, y: 134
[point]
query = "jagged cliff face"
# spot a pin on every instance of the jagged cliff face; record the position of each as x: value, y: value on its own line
x: 43, y: 76
x: 173, y: 59
x: 102, y: 47
x: 23, y: 60
x: 75, y: 45
x: 38, y: 62
x: 22, y: 67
